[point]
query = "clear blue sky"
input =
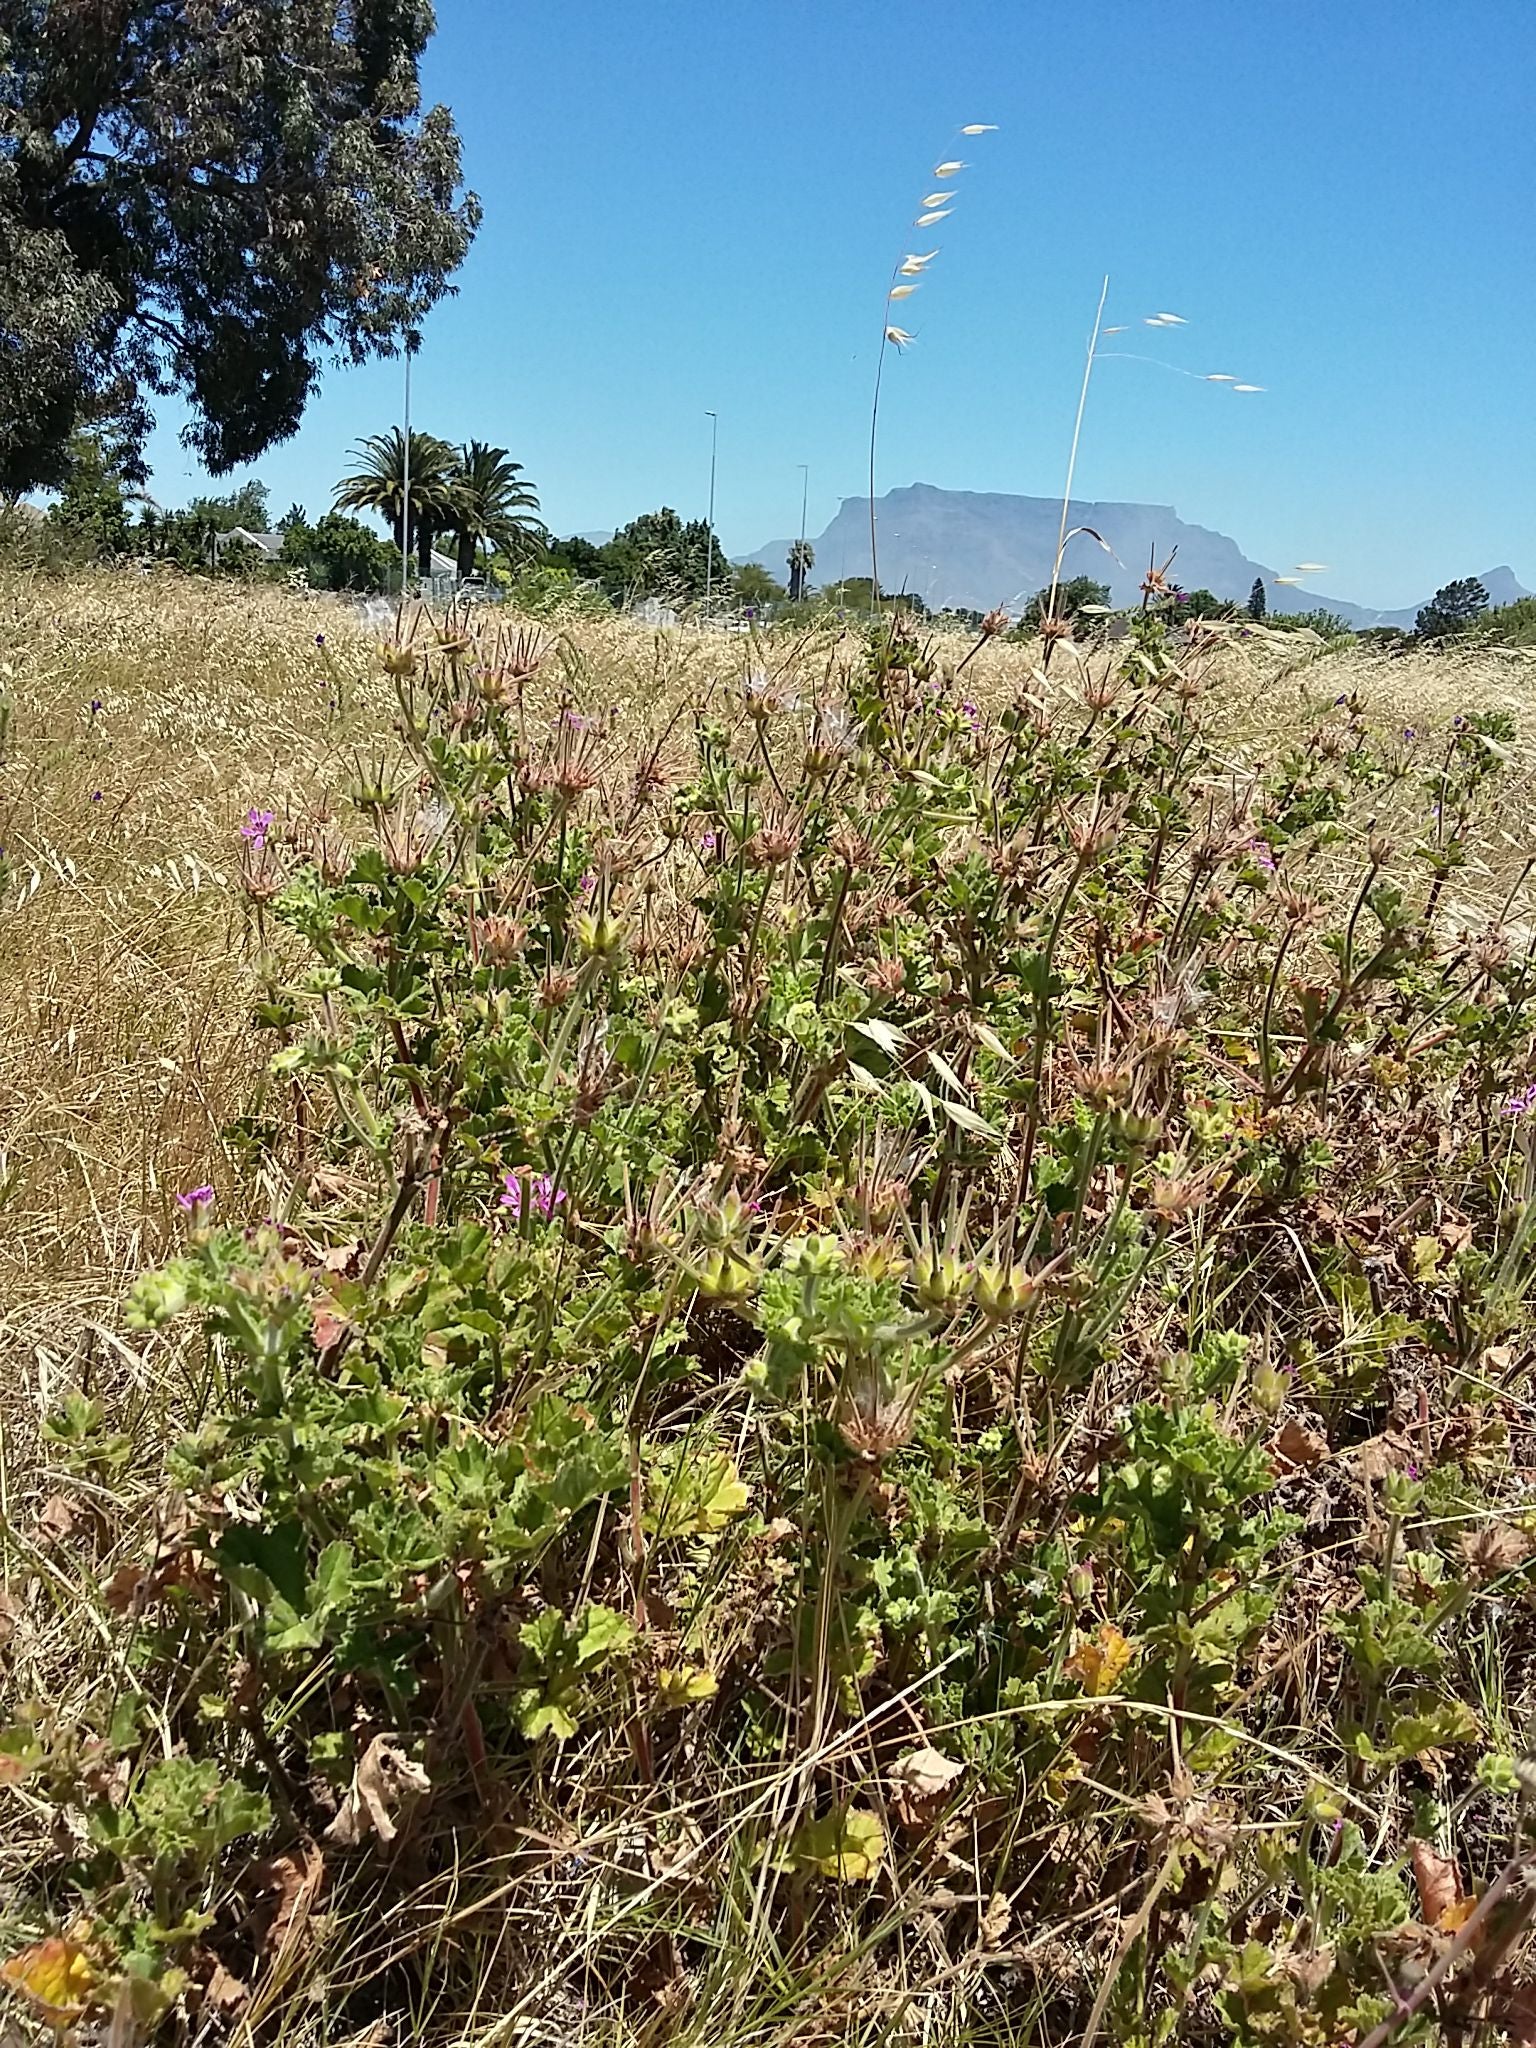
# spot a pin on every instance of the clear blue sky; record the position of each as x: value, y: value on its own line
x: 697, y: 205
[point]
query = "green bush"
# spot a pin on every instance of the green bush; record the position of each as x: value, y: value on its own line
x: 817, y: 1276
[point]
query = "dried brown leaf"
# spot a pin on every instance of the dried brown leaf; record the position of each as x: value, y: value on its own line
x: 384, y: 1780
x: 224, y: 1993
x: 1439, y: 1885
x: 1297, y: 1445
x: 56, y: 1522
x: 10, y: 1617
x: 1494, y: 1549
x: 920, y: 1784
x: 290, y: 1885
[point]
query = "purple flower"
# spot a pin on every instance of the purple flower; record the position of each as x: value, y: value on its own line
x: 195, y: 1199
x: 1340, y: 699
x: 1458, y: 723
x: 587, y: 884
x: 1263, y: 853
x: 971, y: 715
x: 710, y: 842
x: 319, y: 639
x: 542, y: 1193
x: 575, y: 721
x: 256, y: 827
x: 1521, y: 1103
x: 95, y: 796
x: 95, y: 706
x: 1410, y: 732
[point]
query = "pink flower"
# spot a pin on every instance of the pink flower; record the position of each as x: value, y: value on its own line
x: 543, y: 1194
x: 256, y: 827
x: 195, y: 1199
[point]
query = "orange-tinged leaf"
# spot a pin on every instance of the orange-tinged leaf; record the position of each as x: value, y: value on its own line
x: 54, y: 1976
x: 1439, y: 1884
x: 1099, y: 1663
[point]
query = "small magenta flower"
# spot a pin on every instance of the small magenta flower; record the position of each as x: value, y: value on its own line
x: 319, y: 639
x: 1410, y: 732
x: 542, y: 1194
x: 587, y: 884
x: 195, y: 1200
x: 1521, y: 1103
x: 710, y: 842
x: 1458, y: 723
x: 971, y: 715
x: 256, y: 827
x: 95, y: 796
x: 95, y: 706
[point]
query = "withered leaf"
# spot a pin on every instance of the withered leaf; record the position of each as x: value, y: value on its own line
x: 291, y: 1884
x: 224, y: 1993
x: 385, y: 1779
x: 1439, y: 1885
x: 10, y: 1617
x: 1297, y: 1445
x: 920, y: 1785
x: 56, y: 1521
x: 329, y: 1328
x: 1495, y: 1548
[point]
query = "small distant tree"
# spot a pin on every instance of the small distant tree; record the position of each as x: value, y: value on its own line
x: 1512, y: 625
x: 338, y: 553
x: 1072, y: 597
x: 755, y: 586
x: 802, y: 559
x: 660, y: 555
x: 294, y: 516
x: 245, y: 506
x: 1258, y: 602
x: 583, y: 558
x: 1205, y: 604
x: 91, y: 513
x: 1453, y: 608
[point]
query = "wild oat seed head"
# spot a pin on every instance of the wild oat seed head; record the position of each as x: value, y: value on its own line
x: 979, y: 128
x: 902, y: 291
x: 938, y: 199
x: 898, y: 337
x: 926, y: 220
x: 1247, y: 387
x: 948, y: 170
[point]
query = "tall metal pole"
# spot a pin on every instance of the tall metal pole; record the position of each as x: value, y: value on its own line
x: 709, y: 545
x: 805, y: 492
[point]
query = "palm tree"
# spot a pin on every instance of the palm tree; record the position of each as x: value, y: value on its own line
x: 493, y: 501
x: 378, y: 484
x: 802, y: 559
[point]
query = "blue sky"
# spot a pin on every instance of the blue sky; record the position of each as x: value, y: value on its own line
x: 697, y: 206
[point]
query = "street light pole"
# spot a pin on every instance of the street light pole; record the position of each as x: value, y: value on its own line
x: 805, y: 492
x: 709, y: 541
x: 412, y: 342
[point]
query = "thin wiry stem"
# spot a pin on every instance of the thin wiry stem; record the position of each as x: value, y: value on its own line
x: 1077, y: 431
x: 874, y: 422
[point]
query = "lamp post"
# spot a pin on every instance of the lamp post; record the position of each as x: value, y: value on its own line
x: 797, y: 579
x: 709, y: 538
x: 412, y: 343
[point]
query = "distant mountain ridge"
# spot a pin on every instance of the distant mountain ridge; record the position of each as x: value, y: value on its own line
x: 976, y: 549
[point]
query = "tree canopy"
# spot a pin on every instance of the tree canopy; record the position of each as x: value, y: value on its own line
x: 1453, y: 608
x: 210, y: 200
x: 661, y: 555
